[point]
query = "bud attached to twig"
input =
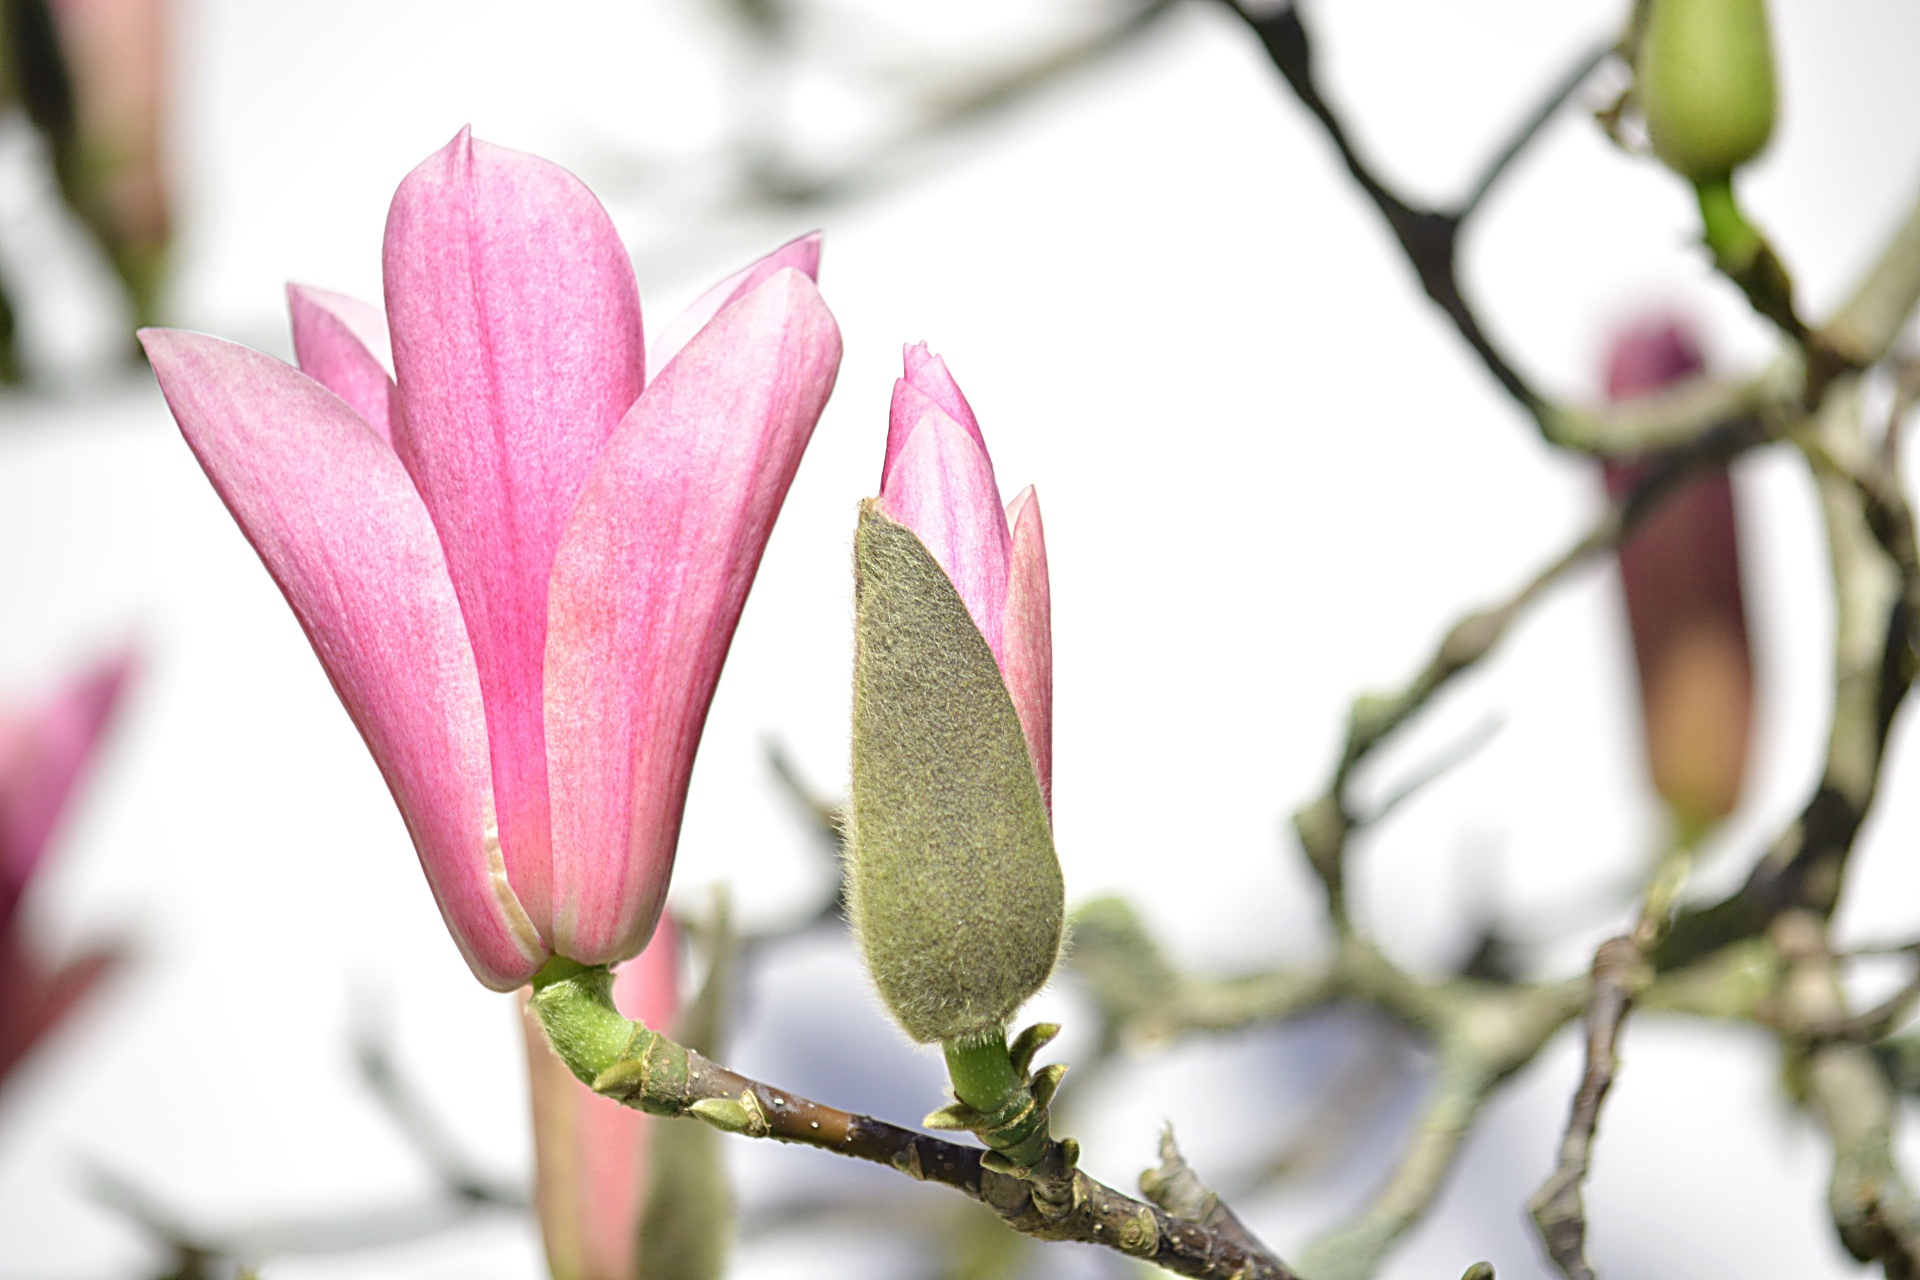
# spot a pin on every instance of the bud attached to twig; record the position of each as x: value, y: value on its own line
x: 1705, y: 83
x: 953, y: 887
x: 1680, y: 573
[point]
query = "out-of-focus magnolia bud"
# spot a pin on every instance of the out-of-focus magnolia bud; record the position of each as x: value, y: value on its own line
x: 115, y: 172
x: 953, y: 887
x: 1705, y: 83
x: 1680, y: 572
x: 591, y: 1154
x: 45, y: 751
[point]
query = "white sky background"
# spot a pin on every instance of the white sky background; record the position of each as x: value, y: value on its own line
x: 1271, y: 476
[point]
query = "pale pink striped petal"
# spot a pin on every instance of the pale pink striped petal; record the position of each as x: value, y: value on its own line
x: 1026, y: 661
x: 803, y: 255
x: 927, y: 374
x: 517, y: 342
x: 342, y: 530
x: 342, y: 344
x: 43, y: 756
x: 941, y: 486
x: 646, y: 591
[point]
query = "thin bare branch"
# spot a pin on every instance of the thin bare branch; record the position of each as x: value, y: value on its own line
x: 1175, y: 1187
x: 1325, y: 824
x: 1569, y: 84
x: 1067, y: 1206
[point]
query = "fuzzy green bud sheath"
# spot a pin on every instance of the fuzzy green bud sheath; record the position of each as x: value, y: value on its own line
x: 954, y: 890
x: 1705, y: 83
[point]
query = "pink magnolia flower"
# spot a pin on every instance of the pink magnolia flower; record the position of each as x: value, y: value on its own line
x: 592, y: 1172
x: 519, y: 557
x: 938, y: 481
x: 1680, y: 574
x: 44, y: 751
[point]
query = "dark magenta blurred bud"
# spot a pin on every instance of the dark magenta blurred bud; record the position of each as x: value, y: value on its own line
x: 1680, y: 572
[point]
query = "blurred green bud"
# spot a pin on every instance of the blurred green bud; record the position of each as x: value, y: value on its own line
x: 953, y: 888
x: 1705, y: 83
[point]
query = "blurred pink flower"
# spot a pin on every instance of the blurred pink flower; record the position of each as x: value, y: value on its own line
x: 590, y: 1153
x: 43, y: 753
x: 938, y: 481
x: 116, y: 54
x: 519, y: 559
x: 1680, y: 574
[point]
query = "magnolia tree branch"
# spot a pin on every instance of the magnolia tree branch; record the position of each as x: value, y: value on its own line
x: 1428, y: 237
x: 1874, y: 1209
x: 1053, y: 1200
x: 1619, y: 973
x: 1874, y: 667
x: 1325, y: 825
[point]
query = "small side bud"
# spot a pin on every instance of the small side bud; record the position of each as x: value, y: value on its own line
x: 953, y: 888
x: 733, y: 1115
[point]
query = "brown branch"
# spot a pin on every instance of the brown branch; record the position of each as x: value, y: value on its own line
x: 1619, y: 974
x: 1175, y: 1187
x: 1073, y: 1207
x: 1428, y: 237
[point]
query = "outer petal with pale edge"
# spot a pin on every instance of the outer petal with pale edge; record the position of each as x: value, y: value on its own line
x: 1026, y: 659
x: 941, y: 486
x: 343, y: 532
x: 342, y: 344
x: 517, y: 342
x: 647, y: 588
x: 803, y: 255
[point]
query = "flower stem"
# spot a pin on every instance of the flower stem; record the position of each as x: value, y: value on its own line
x: 1732, y: 238
x: 982, y: 1071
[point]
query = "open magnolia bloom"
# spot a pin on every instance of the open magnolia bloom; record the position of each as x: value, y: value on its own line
x: 519, y: 557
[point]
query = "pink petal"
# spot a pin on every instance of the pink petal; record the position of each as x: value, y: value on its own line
x: 648, y: 586
x: 516, y: 337
x: 802, y: 255
x: 941, y: 486
x: 342, y: 344
x: 34, y: 1002
x: 43, y: 756
x: 342, y: 530
x: 927, y: 374
x: 1027, y: 658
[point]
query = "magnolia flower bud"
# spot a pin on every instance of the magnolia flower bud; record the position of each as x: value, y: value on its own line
x: 953, y: 887
x: 1680, y: 574
x: 1705, y: 81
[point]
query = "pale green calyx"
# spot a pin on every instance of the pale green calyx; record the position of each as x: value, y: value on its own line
x: 1705, y: 83
x: 953, y: 888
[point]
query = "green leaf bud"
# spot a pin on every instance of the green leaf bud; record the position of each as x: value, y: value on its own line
x: 953, y: 888
x: 1705, y: 84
